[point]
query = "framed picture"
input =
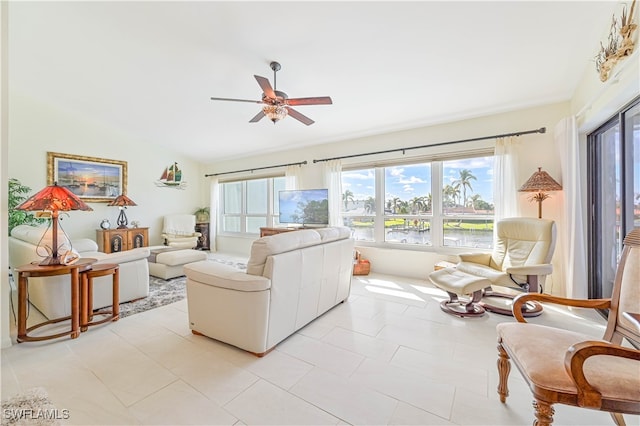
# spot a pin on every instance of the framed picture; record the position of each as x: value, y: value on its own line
x: 90, y: 178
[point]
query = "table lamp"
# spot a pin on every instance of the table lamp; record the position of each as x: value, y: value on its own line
x: 54, y: 199
x: 541, y: 183
x: 122, y: 201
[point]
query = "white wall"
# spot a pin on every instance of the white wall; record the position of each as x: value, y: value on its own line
x: 538, y: 150
x: 36, y: 128
x: 4, y: 144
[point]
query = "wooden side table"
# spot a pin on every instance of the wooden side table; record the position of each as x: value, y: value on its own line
x: 86, y: 292
x: 35, y: 270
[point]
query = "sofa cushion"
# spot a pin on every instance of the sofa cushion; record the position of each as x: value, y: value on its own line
x: 334, y: 233
x: 39, y: 235
x: 279, y: 243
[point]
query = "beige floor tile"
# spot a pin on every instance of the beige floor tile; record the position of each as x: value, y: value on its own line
x: 266, y: 404
x: 277, y: 368
x: 320, y: 354
x: 406, y: 414
x: 408, y: 386
x: 362, y: 344
x: 180, y: 404
x: 351, y: 402
x: 215, y: 377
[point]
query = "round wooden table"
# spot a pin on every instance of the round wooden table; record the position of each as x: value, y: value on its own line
x: 86, y: 291
x: 33, y: 270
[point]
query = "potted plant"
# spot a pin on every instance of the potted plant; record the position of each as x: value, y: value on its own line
x: 202, y: 215
x: 17, y: 194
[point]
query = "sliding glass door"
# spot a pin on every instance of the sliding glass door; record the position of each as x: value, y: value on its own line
x: 614, y: 194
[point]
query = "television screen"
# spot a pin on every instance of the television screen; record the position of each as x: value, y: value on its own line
x: 305, y: 206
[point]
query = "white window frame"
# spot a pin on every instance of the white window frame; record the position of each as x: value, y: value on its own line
x: 271, y: 215
x: 437, y: 216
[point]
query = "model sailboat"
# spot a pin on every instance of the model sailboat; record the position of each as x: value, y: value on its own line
x: 171, y: 177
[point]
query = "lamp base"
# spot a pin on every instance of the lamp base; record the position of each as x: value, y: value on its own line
x: 50, y: 261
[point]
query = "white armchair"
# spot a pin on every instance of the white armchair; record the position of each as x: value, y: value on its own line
x: 521, y: 260
x: 179, y: 231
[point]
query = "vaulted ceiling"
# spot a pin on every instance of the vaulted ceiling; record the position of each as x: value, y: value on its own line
x: 149, y: 68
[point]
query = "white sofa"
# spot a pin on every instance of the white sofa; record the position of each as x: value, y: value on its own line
x: 291, y: 279
x: 52, y: 295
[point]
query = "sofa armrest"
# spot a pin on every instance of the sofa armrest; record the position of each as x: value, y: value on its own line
x: 84, y: 244
x: 121, y: 256
x: 224, y: 276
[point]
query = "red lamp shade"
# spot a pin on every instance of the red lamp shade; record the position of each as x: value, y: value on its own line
x: 122, y: 201
x: 54, y: 198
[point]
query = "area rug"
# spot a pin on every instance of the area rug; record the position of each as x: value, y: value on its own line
x: 163, y: 292
x: 32, y: 407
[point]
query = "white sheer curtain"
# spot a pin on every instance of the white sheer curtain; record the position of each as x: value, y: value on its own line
x: 214, y: 191
x: 333, y: 181
x: 292, y: 177
x: 571, y: 239
x: 505, y: 178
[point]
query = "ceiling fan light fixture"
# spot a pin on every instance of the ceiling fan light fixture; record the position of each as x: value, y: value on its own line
x: 274, y: 112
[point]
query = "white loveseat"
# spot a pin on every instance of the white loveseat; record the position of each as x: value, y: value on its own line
x: 52, y: 295
x: 291, y: 279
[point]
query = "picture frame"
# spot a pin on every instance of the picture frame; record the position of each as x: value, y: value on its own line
x: 93, y: 179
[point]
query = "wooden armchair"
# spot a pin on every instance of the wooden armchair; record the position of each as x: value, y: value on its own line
x: 564, y: 367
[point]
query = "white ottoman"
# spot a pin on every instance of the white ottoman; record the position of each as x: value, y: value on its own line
x: 167, y: 263
x: 456, y: 283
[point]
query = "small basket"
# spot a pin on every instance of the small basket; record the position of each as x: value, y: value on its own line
x: 361, y: 266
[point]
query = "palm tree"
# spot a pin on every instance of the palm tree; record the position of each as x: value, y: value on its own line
x: 370, y: 205
x: 473, y: 201
x: 346, y: 197
x: 417, y: 205
x: 465, y: 182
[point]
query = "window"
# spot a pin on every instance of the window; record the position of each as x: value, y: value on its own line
x: 248, y: 205
x: 437, y: 203
x: 614, y: 194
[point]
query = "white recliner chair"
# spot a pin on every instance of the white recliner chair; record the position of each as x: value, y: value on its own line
x: 521, y: 260
x: 179, y: 231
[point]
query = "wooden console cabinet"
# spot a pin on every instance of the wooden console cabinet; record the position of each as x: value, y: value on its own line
x: 265, y: 232
x: 116, y: 240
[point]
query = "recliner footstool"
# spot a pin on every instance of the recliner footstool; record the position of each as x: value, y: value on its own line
x: 167, y: 263
x: 456, y: 283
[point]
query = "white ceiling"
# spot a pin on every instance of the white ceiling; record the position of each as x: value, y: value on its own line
x: 149, y: 68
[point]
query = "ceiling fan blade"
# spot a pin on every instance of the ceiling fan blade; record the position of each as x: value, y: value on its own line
x: 322, y: 100
x: 257, y: 118
x: 265, y: 86
x: 236, y: 100
x: 300, y: 117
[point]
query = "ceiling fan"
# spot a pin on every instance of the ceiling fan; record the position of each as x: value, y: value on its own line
x: 277, y: 104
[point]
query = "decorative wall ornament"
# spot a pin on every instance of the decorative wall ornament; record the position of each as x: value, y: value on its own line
x: 619, y: 43
x: 171, y: 178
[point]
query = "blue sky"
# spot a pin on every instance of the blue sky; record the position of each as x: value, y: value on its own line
x: 408, y: 181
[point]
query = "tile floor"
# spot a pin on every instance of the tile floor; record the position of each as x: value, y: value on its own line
x: 386, y: 356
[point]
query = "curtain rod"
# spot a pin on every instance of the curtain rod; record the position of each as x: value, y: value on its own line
x: 526, y: 132
x: 257, y: 168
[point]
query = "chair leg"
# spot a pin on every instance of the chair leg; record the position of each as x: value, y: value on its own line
x: 618, y: 419
x: 504, y: 367
x: 544, y: 413
x: 463, y: 308
x: 529, y: 309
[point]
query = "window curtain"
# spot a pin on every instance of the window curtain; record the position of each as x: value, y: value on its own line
x: 572, y: 242
x: 333, y: 181
x: 292, y: 177
x: 505, y: 178
x: 214, y: 196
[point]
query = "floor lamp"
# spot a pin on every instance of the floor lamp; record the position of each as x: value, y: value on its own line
x: 541, y: 183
